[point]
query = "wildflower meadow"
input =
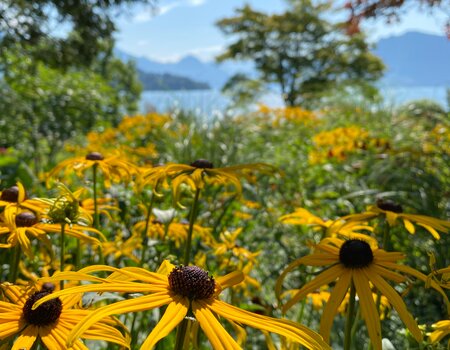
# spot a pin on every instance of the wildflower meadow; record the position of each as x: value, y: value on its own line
x: 277, y: 228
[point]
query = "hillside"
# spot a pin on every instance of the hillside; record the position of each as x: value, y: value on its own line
x: 165, y: 81
x: 412, y: 59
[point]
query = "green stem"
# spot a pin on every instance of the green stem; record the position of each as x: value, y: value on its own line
x: 350, y: 318
x: 192, y: 217
x: 63, y: 251
x: 145, y: 232
x: 94, y: 188
x: 78, y: 256
x: 15, y: 264
x: 182, y: 328
x: 386, y: 236
x: 181, y: 334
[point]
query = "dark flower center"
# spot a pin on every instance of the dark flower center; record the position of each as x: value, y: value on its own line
x: 10, y: 194
x: 355, y: 254
x: 95, y: 156
x: 192, y: 282
x: 26, y: 219
x: 45, y: 314
x: 388, y: 205
x: 202, y: 163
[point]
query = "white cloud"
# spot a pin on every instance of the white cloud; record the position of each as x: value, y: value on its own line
x: 147, y: 14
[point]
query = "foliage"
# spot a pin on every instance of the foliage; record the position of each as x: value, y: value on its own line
x: 86, y: 31
x: 299, y: 50
x: 42, y: 106
x: 389, y: 9
x: 333, y: 161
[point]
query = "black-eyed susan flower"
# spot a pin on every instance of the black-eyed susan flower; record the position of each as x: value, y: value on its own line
x: 22, y: 225
x: 123, y: 247
x: 228, y: 244
x: 440, y: 330
x: 359, y: 263
x: 393, y: 212
x: 202, y: 171
x: 182, y: 289
x: 113, y: 168
x: 302, y: 216
x: 16, y: 196
x: 50, y: 323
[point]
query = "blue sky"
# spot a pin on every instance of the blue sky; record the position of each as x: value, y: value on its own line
x: 176, y: 28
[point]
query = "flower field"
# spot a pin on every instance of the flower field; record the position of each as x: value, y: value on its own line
x: 278, y: 229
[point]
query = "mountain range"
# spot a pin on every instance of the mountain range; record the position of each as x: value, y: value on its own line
x: 411, y: 59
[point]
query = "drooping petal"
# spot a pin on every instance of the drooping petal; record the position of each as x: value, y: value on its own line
x: 26, y: 339
x: 174, y: 314
x: 422, y: 277
x: 99, y: 331
x: 217, y: 335
x: 285, y: 328
x: 230, y: 279
x: 368, y: 307
x: 409, y: 226
x: 430, y: 229
x: 335, y: 300
x: 143, y: 303
x: 391, y: 275
x: 396, y: 301
x: 292, y: 266
x: 324, y: 278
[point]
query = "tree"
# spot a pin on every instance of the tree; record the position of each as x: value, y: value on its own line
x: 42, y: 107
x: 300, y: 51
x: 36, y: 25
x: 389, y: 9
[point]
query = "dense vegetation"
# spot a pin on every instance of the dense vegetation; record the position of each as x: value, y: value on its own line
x: 331, y: 162
x: 323, y: 222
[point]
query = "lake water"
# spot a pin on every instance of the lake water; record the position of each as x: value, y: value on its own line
x: 212, y: 102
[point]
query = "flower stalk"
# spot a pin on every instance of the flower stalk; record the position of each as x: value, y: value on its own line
x: 350, y: 318
x: 192, y: 217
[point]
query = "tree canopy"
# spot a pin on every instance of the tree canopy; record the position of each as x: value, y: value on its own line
x: 63, y: 33
x: 299, y: 50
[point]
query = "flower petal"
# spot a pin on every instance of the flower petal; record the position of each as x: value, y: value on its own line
x: 324, y: 278
x: 396, y: 301
x: 26, y: 339
x: 368, y: 307
x: 174, y: 314
x: 217, y: 335
x: 143, y: 303
x: 230, y: 279
x: 335, y: 300
x: 288, y: 329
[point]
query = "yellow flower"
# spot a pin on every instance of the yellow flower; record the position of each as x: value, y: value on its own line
x: 358, y: 262
x: 16, y: 196
x: 202, y: 171
x: 104, y: 205
x: 393, y: 212
x: 121, y: 247
x: 21, y: 225
x: 174, y: 231
x: 228, y: 244
x: 50, y: 323
x: 302, y: 216
x: 112, y: 167
x: 182, y: 289
x: 441, y: 330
